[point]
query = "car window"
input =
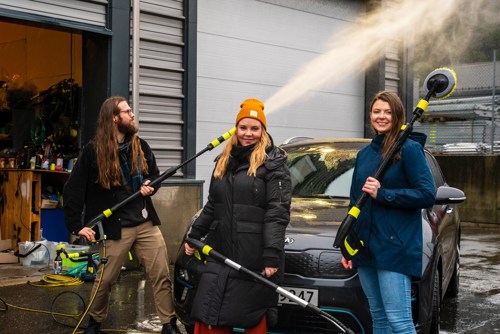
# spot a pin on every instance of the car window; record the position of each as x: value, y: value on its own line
x: 435, y: 169
x: 341, y: 186
x: 321, y: 170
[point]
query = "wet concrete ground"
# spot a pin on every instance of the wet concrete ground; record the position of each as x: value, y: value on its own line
x: 131, y: 308
x: 475, y: 310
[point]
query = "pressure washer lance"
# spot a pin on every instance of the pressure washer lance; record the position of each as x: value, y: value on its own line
x: 209, y: 251
x: 439, y: 84
x: 97, y: 220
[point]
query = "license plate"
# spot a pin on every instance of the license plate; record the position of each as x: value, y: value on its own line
x: 309, y: 295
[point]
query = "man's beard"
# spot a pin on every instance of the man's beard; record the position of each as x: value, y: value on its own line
x: 127, y: 129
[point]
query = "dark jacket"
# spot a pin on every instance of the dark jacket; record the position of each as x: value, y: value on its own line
x: 245, y: 219
x: 82, y: 193
x: 391, y: 225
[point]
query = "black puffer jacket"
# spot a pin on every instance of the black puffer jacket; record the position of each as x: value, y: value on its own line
x: 245, y: 219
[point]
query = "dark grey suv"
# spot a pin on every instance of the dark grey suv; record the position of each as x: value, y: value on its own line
x: 321, y: 171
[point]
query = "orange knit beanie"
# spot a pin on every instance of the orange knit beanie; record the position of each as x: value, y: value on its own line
x: 252, y: 108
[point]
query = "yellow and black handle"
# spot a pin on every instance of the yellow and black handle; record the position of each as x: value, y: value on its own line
x: 210, y: 252
x: 440, y: 83
x: 97, y: 220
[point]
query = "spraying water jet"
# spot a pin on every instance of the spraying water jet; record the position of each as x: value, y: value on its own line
x: 355, y: 49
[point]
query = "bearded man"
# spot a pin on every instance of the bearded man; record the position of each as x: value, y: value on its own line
x: 114, y: 165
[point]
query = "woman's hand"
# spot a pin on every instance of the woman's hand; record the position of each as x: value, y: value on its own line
x: 346, y: 263
x: 188, y: 249
x: 371, y: 186
x: 146, y: 190
x: 87, y: 233
x: 268, y: 271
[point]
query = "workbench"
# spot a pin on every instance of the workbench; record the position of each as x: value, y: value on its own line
x: 21, y: 201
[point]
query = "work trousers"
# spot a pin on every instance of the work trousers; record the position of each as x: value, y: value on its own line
x: 201, y: 328
x: 149, y: 246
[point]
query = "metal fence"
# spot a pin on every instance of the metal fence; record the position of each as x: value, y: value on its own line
x: 469, y: 121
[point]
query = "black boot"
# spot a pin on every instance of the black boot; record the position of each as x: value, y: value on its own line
x: 171, y: 327
x: 93, y: 327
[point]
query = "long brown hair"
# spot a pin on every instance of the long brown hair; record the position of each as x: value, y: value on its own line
x: 398, y: 119
x: 257, y: 157
x: 106, y: 146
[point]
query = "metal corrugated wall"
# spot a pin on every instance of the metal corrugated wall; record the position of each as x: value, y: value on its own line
x: 160, y: 78
x: 393, y: 66
x: 74, y: 11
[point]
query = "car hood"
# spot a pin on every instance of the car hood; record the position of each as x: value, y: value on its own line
x: 314, y: 222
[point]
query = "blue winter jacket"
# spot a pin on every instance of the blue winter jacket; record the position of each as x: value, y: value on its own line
x: 391, y: 225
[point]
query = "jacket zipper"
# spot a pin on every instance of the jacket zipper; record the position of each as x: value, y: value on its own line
x: 281, y: 191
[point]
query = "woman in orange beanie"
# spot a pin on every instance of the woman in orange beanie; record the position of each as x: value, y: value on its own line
x: 245, y: 218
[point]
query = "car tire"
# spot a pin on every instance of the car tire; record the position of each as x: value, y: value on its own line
x: 454, y: 286
x: 436, y: 305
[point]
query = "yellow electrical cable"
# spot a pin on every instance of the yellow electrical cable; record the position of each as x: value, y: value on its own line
x: 92, y: 300
x: 40, y: 311
x: 68, y: 316
x: 95, y: 292
x: 53, y: 280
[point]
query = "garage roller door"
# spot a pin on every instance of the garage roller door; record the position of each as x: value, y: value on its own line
x: 85, y: 15
x: 160, y: 79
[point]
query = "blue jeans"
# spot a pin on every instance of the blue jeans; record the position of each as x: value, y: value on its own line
x: 389, y: 297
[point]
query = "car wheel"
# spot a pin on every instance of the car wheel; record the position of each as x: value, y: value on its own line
x: 436, y: 305
x: 453, y: 287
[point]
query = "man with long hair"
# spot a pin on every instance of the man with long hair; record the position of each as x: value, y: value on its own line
x: 114, y: 165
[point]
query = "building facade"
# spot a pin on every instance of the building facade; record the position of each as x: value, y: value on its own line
x: 186, y: 65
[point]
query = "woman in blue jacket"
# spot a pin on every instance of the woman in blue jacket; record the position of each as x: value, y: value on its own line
x: 390, y: 223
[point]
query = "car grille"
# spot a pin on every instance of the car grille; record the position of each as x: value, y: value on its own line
x: 296, y: 320
x: 317, y: 264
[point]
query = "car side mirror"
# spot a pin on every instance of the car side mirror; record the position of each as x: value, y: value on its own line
x: 449, y: 195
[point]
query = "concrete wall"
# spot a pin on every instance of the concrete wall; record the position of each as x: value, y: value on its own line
x: 479, y: 177
x: 176, y: 203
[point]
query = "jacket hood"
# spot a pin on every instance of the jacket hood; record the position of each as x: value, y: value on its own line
x: 419, y: 137
x: 276, y: 158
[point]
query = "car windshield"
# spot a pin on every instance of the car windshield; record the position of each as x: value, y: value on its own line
x: 322, y: 169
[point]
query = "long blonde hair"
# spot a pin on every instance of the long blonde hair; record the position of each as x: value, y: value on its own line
x: 257, y: 157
